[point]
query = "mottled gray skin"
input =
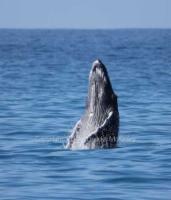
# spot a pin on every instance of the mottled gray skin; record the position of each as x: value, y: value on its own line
x: 98, y: 127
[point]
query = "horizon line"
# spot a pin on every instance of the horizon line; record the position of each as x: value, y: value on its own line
x: 76, y: 28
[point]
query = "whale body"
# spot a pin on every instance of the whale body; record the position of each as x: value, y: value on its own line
x: 99, y: 126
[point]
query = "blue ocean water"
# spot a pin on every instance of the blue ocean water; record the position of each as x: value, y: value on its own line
x: 43, y: 88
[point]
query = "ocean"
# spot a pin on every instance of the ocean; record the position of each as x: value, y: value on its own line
x: 43, y: 90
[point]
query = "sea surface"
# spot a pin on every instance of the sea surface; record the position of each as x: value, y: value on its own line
x: 43, y: 89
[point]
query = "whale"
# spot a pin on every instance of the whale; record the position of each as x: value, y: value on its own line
x: 99, y: 126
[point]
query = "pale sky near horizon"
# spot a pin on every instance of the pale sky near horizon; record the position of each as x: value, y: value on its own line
x: 85, y: 14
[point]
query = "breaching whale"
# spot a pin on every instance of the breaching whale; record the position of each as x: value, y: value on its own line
x: 99, y: 126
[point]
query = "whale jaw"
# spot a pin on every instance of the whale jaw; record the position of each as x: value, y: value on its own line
x: 98, y: 127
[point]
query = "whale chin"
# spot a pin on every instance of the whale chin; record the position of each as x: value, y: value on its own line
x: 98, y: 127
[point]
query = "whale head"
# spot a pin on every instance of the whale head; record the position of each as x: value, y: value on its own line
x: 101, y: 98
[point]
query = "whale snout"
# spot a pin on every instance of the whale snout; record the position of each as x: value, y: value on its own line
x: 97, y: 64
x: 98, y: 71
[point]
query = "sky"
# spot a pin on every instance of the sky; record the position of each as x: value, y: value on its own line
x: 85, y: 14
